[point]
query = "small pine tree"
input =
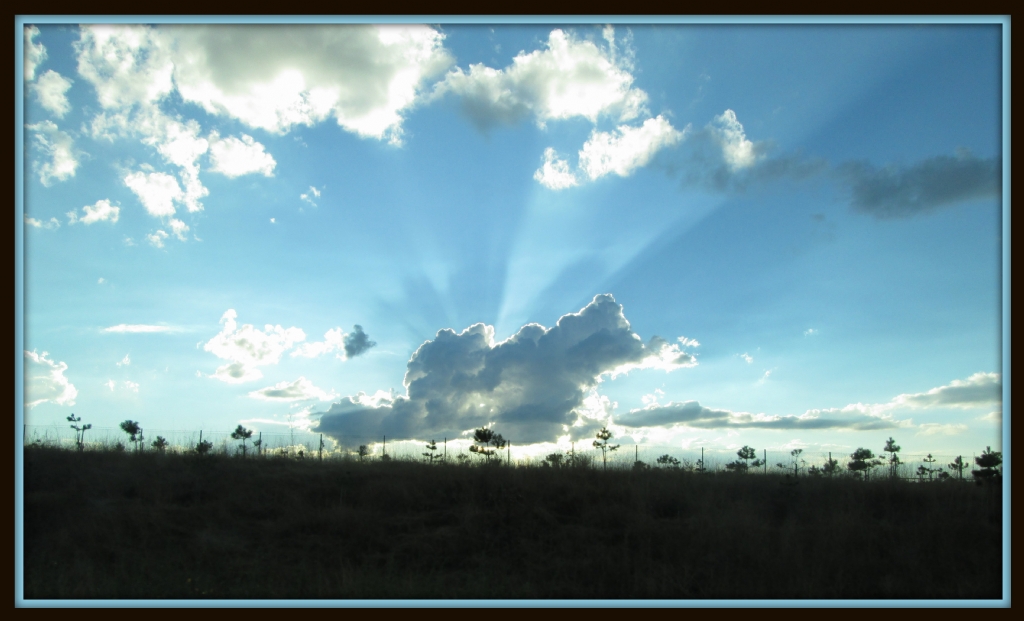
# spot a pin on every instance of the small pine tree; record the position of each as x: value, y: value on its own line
x: 204, y: 447
x: 554, y: 460
x: 959, y: 466
x: 746, y: 454
x: 989, y: 462
x: 79, y: 430
x: 363, y: 451
x: 894, y: 458
x: 487, y: 442
x: 431, y: 453
x: 929, y: 460
x: 243, y: 434
x: 602, y: 443
x: 134, y: 431
x: 160, y: 444
x: 831, y: 467
x: 667, y: 461
x: 797, y: 460
x: 862, y: 461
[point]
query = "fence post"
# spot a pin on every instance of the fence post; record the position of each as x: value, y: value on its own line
x: 508, y: 458
x: 636, y: 453
x: 766, y: 461
x: 384, y: 451
x: 702, y: 460
x: 261, y: 445
x: 446, y: 450
x: 320, y: 451
x: 200, y: 438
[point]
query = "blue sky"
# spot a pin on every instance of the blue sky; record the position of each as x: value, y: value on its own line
x: 696, y: 235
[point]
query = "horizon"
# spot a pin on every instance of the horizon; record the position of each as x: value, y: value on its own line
x: 693, y: 235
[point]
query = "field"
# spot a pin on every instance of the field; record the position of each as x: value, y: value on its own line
x: 107, y: 524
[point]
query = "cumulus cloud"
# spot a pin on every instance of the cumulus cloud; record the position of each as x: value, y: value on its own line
x: 311, y: 196
x: 178, y: 227
x: 132, y: 386
x: 35, y: 53
x: 276, y: 77
x: 737, y: 150
x: 51, y: 89
x: 58, y: 148
x: 101, y: 211
x: 126, y: 361
x: 247, y: 348
x: 554, y: 173
x: 300, y: 390
x: 978, y: 390
x: 532, y: 385
x: 903, y: 191
x: 45, y: 381
x: 50, y: 224
x: 137, y: 328
x: 333, y: 341
x: 128, y: 65
x: 156, y: 190
x: 156, y: 239
x: 627, y: 148
x: 568, y: 78
x: 357, y: 342
x: 233, y: 157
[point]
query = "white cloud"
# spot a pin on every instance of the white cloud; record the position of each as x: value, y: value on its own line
x: 810, y: 332
x: 736, y: 149
x: 233, y: 157
x: 627, y: 148
x: 157, y: 238
x: 533, y: 386
x: 138, y: 328
x: 276, y: 77
x: 50, y: 224
x: 995, y: 416
x: 59, y: 147
x: 110, y: 384
x: 309, y: 196
x: 128, y: 65
x: 932, y: 429
x: 35, y: 53
x: 127, y: 359
x: 102, y: 211
x: 300, y: 390
x: 692, y: 414
x: 130, y: 385
x: 45, y: 381
x: 568, y: 78
x: 178, y: 227
x: 51, y: 89
x: 554, y: 174
x: 334, y: 340
x: 248, y: 348
x: 156, y: 190
x: 747, y: 358
x: 978, y: 390
x: 101, y: 280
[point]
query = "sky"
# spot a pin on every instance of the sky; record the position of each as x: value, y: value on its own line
x: 781, y: 236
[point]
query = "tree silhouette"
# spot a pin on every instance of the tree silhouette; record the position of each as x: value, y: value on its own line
x: 363, y: 451
x: 989, y: 462
x: 160, y: 444
x: 487, y: 442
x: 831, y: 467
x: 862, y: 461
x: 243, y: 434
x: 959, y: 466
x: 554, y: 460
x: 929, y: 460
x: 602, y: 443
x: 746, y: 454
x: 894, y: 458
x: 797, y: 460
x: 667, y: 461
x: 204, y: 447
x: 134, y: 431
x: 79, y: 430
x: 431, y: 453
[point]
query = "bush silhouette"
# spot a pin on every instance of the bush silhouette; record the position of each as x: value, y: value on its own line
x: 134, y: 431
x: 989, y: 462
x: 667, y: 461
x: 160, y: 444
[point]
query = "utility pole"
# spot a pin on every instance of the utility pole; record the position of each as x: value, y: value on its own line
x: 446, y: 450
x: 321, y: 450
x: 766, y: 461
x: 636, y: 453
x: 702, y: 459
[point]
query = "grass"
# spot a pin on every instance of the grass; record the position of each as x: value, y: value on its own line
x: 103, y: 524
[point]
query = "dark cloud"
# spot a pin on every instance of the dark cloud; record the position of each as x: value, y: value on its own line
x: 900, y: 192
x: 357, y: 342
x: 531, y: 386
x: 693, y: 414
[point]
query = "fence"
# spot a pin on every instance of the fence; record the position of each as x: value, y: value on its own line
x: 299, y: 442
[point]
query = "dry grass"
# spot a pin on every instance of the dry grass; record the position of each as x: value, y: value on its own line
x: 115, y: 525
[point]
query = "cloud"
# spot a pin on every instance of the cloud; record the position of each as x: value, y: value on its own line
x: 138, y: 328
x: 300, y: 390
x: 248, y: 348
x: 127, y: 65
x: 737, y: 150
x: 50, y: 90
x: 747, y: 358
x: 357, y: 342
x: 333, y: 341
x: 693, y: 415
x: 156, y: 190
x: 102, y: 211
x: 50, y: 224
x: 810, y: 332
x: 531, y: 385
x: 156, y: 239
x: 178, y: 227
x: 568, y: 78
x: 627, y: 148
x: 978, y: 390
x: 276, y: 77
x: 554, y: 173
x: 110, y: 384
x: 901, y: 192
x: 45, y: 381
x: 59, y: 148
x: 35, y: 53
x: 932, y: 429
x: 233, y: 157
x: 126, y: 361
x: 130, y: 385
x: 309, y: 196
